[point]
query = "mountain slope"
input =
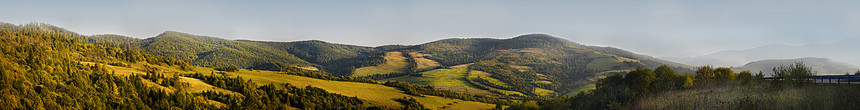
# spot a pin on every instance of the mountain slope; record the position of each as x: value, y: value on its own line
x: 534, y: 61
x: 528, y: 62
x: 822, y: 66
x: 204, y: 50
x: 54, y: 70
x: 841, y: 51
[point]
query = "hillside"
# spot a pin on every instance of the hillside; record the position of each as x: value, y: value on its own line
x: 537, y: 61
x: 532, y: 62
x: 840, y: 51
x: 203, y: 50
x: 50, y: 69
x: 531, y: 65
x: 211, y: 51
x: 823, y: 66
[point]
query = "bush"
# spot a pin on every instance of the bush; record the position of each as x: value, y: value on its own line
x: 746, y: 78
x: 796, y: 74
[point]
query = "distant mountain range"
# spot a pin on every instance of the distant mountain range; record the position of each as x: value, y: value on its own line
x: 822, y: 66
x: 526, y: 61
x: 845, y: 51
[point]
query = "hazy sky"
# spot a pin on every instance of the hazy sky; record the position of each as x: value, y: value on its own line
x: 663, y: 28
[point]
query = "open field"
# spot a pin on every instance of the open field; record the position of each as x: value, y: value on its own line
x: 446, y: 79
x: 602, y: 62
x: 394, y: 62
x: 375, y: 94
x: 544, y: 92
x: 486, y: 76
x: 462, y: 65
x: 423, y: 63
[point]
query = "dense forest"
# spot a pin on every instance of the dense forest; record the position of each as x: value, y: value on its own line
x: 45, y: 69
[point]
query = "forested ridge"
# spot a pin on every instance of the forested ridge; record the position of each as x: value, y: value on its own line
x: 45, y: 68
x: 50, y: 67
x: 553, y: 59
x: 42, y: 69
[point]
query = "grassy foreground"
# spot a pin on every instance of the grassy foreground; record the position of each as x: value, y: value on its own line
x: 762, y: 95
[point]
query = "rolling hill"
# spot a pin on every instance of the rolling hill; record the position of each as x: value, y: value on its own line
x: 477, y: 69
x: 841, y: 51
x: 529, y: 62
x: 211, y: 51
x: 47, y: 68
x: 822, y: 66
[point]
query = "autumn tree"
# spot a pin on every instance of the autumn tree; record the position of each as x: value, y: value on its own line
x: 705, y: 74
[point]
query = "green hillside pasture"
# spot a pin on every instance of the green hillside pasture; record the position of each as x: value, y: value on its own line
x: 494, y: 81
x: 733, y: 96
x: 394, y: 62
x: 308, y: 68
x: 602, y: 62
x: 446, y: 79
x: 486, y: 76
x: 375, y: 94
x: 462, y: 65
x: 544, y: 92
x: 424, y: 63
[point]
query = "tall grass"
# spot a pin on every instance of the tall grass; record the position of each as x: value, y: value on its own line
x: 760, y: 95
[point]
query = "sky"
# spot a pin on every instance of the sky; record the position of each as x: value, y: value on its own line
x: 660, y: 28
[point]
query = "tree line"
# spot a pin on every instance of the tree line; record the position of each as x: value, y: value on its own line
x: 43, y: 69
x: 272, y: 96
x: 617, y: 91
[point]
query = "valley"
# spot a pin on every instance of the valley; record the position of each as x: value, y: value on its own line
x: 180, y: 70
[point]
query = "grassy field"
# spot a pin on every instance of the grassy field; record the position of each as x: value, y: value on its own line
x: 760, y: 96
x: 375, y: 94
x: 544, y: 92
x: 486, y: 76
x: 462, y: 65
x: 308, y: 68
x: 446, y: 79
x: 496, y: 82
x: 603, y: 62
x: 394, y: 62
x: 424, y: 63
